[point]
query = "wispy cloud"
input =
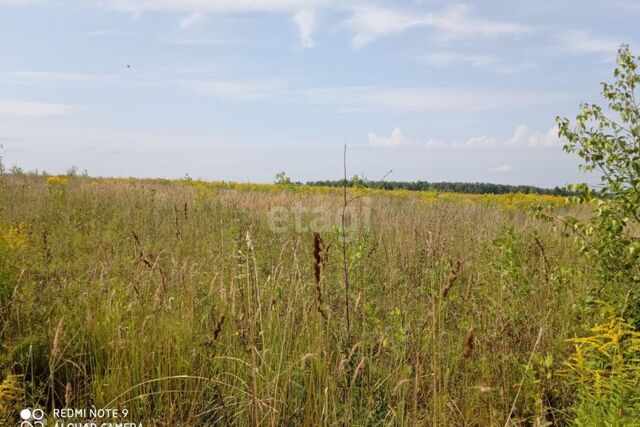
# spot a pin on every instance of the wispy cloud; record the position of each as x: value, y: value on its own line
x: 305, y: 20
x: 301, y: 11
x: 191, y: 20
x: 583, y: 43
x: 455, y: 23
x: 487, y: 62
x: 523, y: 138
x: 367, y: 20
x: 10, y: 107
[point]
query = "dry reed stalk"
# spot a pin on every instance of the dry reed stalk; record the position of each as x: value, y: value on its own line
x: 161, y: 290
x: 357, y: 370
x: 345, y: 266
x: 358, y: 302
x: 545, y: 260
x: 252, y: 276
x: 176, y: 222
x: 398, y: 386
x: 347, y: 359
x: 437, y: 318
x: 45, y: 246
x: 57, y: 336
x: 55, y: 349
x: 379, y: 347
x: 218, y: 328
x: 318, y: 266
x: 68, y: 395
x: 453, y: 276
x: 317, y: 256
x: 469, y: 343
x: 254, y: 386
x: 471, y: 283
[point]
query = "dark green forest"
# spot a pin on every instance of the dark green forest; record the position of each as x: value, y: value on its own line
x: 452, y: 187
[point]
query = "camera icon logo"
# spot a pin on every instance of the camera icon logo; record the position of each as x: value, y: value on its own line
x: 32, y: 418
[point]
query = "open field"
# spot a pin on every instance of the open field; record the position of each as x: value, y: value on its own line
x: 451, y: 238
x: 183, y: 303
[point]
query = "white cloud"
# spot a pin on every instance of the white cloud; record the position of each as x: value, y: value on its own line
x: 33, y: 109
x: 370, y: 23
x: 583, y: 43
x: 367, y: 21
x: 302, y: 11
x: 396, y: 139
x: 305, y: 20
x: 191, y: 20
x: 455, y: 23
x: 523, y: 138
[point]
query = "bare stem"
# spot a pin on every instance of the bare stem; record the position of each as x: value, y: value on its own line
x: 345, y: 267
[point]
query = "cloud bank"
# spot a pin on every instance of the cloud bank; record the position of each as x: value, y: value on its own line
x: 522, y: 137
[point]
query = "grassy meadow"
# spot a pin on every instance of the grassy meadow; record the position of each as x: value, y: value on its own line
x: 183, y: 303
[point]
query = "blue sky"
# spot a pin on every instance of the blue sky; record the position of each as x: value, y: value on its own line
x: 241, y: 89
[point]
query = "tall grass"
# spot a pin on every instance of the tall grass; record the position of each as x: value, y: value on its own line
x: 181, y: 304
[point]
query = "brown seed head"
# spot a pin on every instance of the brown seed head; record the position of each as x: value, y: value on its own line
x: 469, y: 343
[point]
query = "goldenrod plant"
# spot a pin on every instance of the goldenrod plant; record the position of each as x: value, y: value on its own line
x: 11, y: 395
x: 605, y: 371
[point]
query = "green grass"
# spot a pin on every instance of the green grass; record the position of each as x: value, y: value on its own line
x: 180, y: 303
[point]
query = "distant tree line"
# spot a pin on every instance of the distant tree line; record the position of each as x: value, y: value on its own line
x: 451, y: 187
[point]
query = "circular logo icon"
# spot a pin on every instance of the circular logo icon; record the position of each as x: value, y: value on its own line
x: 25, y: 414
x: 32, y: 418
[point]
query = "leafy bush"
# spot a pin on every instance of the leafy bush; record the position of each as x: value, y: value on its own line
x: 605, y: 367
x: 611, y: 146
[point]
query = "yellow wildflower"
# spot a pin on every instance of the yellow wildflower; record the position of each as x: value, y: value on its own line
x: 58, y: 180
x: 15, y: 237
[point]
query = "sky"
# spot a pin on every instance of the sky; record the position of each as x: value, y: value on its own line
x: 242, y: 89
